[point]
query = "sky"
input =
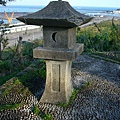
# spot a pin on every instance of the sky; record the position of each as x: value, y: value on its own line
x: 95, y: 3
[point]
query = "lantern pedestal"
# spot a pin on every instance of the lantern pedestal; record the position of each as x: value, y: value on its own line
x: 58, y: 86
x: 58, y: 82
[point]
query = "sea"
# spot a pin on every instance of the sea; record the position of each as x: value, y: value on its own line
x: 91, y: 11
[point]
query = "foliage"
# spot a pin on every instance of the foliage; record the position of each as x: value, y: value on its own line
x: 46, y: 116
x: 26, y: 77
x: 31, y: 78
x: 3, y: 41
x: 107, y: 39
x: 8, y: 53
x: 4, y: 66
x: 16, y: 82
x: 11, y: 60
x: 38, y: 42
x: 37, y: 111
x: 3, y: 79
x: 42, y: 71
x: 3, y: 2
x: 86, y: 85
x: 75, y: 92
x: 27, y: 49
x: 10, y: 107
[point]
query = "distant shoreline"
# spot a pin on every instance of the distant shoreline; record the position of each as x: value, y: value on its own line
x: 18, y: 14
x: 99, y: 20
x: 96, y: 19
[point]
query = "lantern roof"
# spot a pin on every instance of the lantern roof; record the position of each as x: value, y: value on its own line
x: 56, y: 14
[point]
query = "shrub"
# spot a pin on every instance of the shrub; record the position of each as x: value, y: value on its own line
x: 107, y: 39
x: 42, y: 71
x: 4, y: 66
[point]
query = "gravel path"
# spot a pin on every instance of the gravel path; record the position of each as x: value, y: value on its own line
x: 98, y: 101
x: 95, y: 67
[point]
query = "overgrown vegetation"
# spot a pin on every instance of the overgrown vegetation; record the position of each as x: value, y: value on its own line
x: 7, y: 91
x: 32, y: 80
x: 3, y: 79
x: 102, y: 37
x: 16, y: 58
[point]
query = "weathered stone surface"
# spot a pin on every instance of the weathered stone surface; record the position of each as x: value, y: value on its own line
x: 55, y: 37
x: 59, y: 22
x: 58, y: 82
x: 56, y: 13
x: 58, y: 54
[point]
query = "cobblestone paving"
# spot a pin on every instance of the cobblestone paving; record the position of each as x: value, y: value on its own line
x: 98, y: 101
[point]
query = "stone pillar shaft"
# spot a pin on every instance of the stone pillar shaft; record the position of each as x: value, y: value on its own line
x: 58, y: 82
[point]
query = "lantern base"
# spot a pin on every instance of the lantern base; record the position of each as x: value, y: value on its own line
x: 58, y: 82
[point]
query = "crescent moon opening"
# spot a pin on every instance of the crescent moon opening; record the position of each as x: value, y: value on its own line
x: 53, y: 36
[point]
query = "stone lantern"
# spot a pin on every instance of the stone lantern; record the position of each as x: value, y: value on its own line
x: 59, y: 49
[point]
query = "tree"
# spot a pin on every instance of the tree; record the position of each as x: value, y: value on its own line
x: 3, y: 2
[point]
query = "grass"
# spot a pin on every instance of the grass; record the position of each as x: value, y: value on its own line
x: 75, y: 92
x: 73, y: 96
x: 105, y: 58
x: 10, y: 107
x: 113, y: 57
x: 16, y: 82
x: 37, y: 111
x: 16, y: 87
x: 108, y: 39
x: 46, y: 117
x: 87, y: 84
x: 3, y: 79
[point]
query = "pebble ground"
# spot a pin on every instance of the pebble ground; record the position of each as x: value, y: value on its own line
x: 98, y: 101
